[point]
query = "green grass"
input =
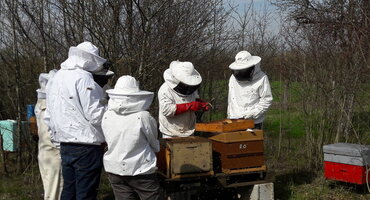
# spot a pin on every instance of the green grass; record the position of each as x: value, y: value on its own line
x: 293, y: 91
x: 289, y: 122
x: 21, y: 187
x: 105, y: 190
x: 29, y: 186
x: 320, y: 188
x: 296, y: 180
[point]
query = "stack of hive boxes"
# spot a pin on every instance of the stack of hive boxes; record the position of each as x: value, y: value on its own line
x: 235, y: 149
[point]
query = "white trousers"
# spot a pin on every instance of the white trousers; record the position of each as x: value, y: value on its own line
x: 48, y: 157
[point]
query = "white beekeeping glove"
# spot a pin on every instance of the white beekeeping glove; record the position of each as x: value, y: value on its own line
x: 248, y: 114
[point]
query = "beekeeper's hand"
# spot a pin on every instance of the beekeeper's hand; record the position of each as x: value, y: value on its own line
x: 192, y: 106
x: 248, y: 115
x: 206, y: 105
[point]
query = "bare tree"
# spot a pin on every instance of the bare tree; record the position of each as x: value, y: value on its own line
x: 141, y: 38
x: 330, y: 41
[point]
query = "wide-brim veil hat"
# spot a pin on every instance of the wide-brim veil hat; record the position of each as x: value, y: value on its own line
x: 85, y: 56
x: 185, y: 73
x: 127, y: 86
x: 244, y: 60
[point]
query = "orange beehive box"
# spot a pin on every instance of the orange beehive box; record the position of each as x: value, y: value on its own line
x: 225, y: 125
x: 237, y: 151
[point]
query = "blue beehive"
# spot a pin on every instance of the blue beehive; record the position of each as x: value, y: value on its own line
x: 30, y: 111
x: 8, y: 132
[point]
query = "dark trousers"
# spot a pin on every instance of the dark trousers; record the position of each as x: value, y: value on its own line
x: 128, y: 187
x: 81, y: 169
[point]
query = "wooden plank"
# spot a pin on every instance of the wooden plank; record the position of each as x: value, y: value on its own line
x: 168, y: 161
x: 253, y: 169
x: 244, y: 179
x: 246, y: 183
x: 177, y: 176
x: 180, y: 140
x: 225, y: 125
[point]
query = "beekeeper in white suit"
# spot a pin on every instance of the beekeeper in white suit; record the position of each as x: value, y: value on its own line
x: 48, y: 153
x: 131, y: 135
x: 75, y: 110
x: 178, y: 100
x: 249, y: 89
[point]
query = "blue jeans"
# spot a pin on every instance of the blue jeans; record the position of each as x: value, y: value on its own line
x: 81, y: 169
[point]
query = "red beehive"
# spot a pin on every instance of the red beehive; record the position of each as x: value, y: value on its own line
x: 346, y: 162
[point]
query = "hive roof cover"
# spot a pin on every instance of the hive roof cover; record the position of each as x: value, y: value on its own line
x: 348, y: 149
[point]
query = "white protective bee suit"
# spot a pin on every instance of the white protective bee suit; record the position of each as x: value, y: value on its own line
x: 74, y: 109
x: 48, y: 154
x: 171, y: 124
x: 130, y: 131
x: 248, y: 99
x: 131, y: 135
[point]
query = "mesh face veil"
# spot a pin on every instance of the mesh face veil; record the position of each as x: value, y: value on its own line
x: 185, y: 89
x: 244, y: 74
x: 101, y: 80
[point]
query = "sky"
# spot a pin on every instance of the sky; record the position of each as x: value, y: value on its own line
x: 260, y: 6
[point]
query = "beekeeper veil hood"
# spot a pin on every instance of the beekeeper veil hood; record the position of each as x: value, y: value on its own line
x: 127, y: 98
x: 43, y: 80
x: 102, y: 77
x: 84, y: 56
x: 246, y: 67
x: 182, y: 77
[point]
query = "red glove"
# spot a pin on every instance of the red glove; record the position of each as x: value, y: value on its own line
x: 205, y: 104
x: 206, y: 107
x: 192, y: 106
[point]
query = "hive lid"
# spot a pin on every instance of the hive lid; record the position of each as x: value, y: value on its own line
x: 188, y: 139
x: 347, y: 149
x: 344, y: 159
x: 226, y: 125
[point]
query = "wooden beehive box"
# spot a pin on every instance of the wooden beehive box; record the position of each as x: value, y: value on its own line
x: 238, y: 151
x: 182, y: 157
x: 225, y: 125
